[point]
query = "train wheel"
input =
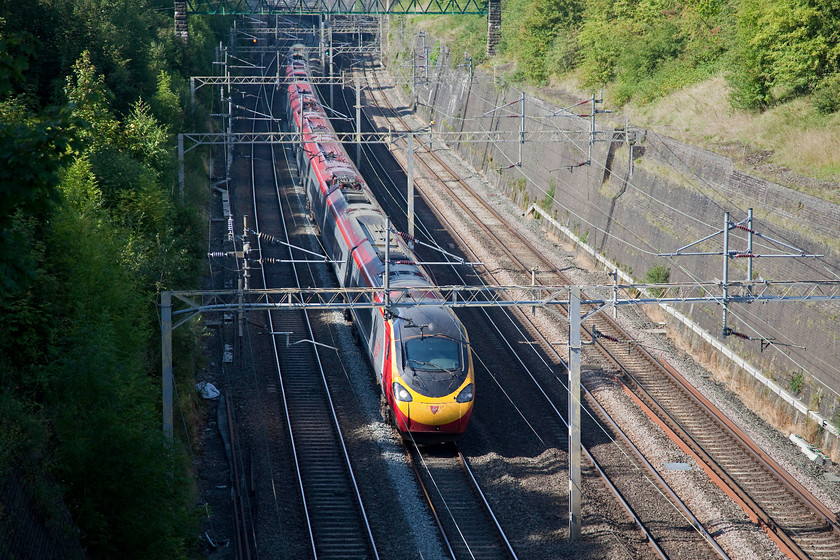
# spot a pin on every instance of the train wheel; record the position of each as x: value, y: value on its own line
x: 312, y: 216
x: 385, y: 410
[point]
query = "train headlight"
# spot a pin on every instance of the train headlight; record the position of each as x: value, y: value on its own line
x: 466, y: 394
x: 401, y: 393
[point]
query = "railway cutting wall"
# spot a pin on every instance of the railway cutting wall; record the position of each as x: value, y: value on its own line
x: 672, y: 194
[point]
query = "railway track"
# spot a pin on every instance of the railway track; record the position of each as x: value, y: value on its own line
x: 801, y: 525
x: 242, y: 520
x: 805, y: 530
x: 466, y: 521
x: 335, y: 515
x: 677, y: 536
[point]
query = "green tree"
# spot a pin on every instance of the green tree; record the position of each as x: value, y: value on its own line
x: 89, y: 231
x: 32, y: 149
x: 166, y: 102
x: 91, y: 101
x: 543, y: 22
x: 118, y: 472
x: 147, y: 140
x: 783, y: 49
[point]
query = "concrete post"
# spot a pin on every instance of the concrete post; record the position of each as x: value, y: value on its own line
x: 574, y: 414
x: 591, y: 130
x: 358, y: 122
x: 411, y: 184
x: 725, y: 273
x: 181, y: 166
x: 750, y: 245
x: 387, y: 280
x: 322, y: 43
x: 166, y: 361
x: 521, y: 129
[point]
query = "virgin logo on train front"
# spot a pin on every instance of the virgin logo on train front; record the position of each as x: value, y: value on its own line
x: 434, y: 408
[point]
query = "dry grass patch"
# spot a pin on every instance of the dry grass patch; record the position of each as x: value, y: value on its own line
x: 766, y: 404
x: 797, y: 137
x: 816, y: 151
x: 699, y: 114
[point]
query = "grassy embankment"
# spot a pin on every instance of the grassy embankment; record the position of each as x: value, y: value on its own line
x: 756, y: 81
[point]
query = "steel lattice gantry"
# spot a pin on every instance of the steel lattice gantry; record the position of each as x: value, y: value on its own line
x: 180, y: 306
x: 323, y: 7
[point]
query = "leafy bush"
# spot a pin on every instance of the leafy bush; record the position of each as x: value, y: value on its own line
x: 796, y: 382
x: 826, y: 98
x: 563, y: 53
x: 658, y: 274
x: 548, y: 201
x: 542, y: 22
x: 771, y: 50
x: 781, y: 49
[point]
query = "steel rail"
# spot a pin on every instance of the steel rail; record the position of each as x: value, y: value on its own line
x: 319, y: 551
x: 488, y: 509
x: 280, y: 378
x: 757, y: 511
x: 240, y: 519
x: 481, y: 537
x: 429, y: 500
x: 509, y: 552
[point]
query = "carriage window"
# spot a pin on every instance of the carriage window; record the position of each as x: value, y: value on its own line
x: 366, y: 319
x: 338, y: 251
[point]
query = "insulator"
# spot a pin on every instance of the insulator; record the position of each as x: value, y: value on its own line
x: 407, y: 237
x: 405, y: 262
x: 267, y: 237
x: 269, y: 260
x: 745, y: 228
x: 744, y: 255
x: 216, y: 254
x: 739, y: 335
x: 598, y: 334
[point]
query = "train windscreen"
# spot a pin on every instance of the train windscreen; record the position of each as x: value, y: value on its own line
x: 432, y: 353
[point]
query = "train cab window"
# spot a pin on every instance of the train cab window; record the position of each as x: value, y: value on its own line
x: 432, y: 353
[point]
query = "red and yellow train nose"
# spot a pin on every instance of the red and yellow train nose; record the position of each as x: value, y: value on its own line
x: 418, y: 414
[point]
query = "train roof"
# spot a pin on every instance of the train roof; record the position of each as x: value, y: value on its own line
x: 357, y: 212
x: 432, y: 320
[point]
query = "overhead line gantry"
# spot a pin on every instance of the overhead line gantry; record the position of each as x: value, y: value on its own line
x: 336, y: 7
x: 324, y: 9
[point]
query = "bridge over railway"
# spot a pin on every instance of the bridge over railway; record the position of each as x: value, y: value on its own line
x: 325, y: 8
x: 341, y: 7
